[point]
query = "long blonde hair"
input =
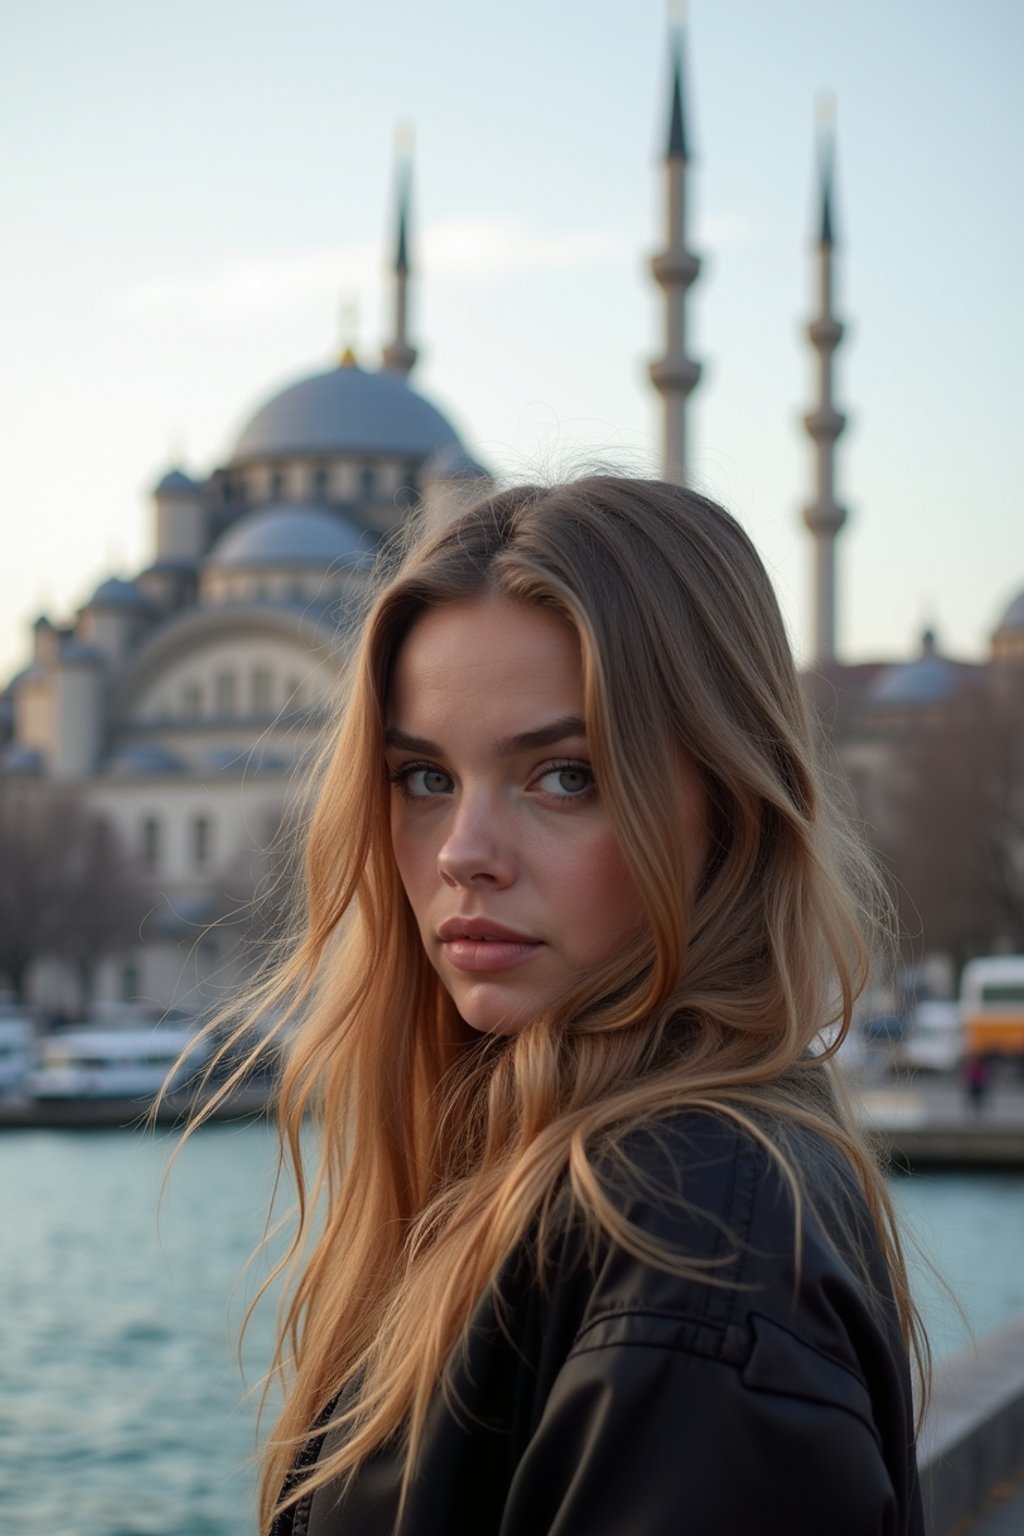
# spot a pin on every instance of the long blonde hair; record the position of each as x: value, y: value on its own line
x: 438, y: 1153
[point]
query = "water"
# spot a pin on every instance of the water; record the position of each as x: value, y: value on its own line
x: 121, y: 1405
x: 121, y: 1409
x: 970, y: 1228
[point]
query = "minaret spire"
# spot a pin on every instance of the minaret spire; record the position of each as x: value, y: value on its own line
x: 824, y: 517
x: 674, y: 374
x: 399, y: 356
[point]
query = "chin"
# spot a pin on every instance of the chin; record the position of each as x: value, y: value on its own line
x: 486, y: 1021
x: 495, y: 1015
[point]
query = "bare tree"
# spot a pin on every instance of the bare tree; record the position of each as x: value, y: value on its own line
x: 955, y: 838
x: 254, y: 902
x: 1005, y: 751
x: 255, y: 890
x: 67, y: 889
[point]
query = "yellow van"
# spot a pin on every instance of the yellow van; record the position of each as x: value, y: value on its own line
x: 992, y: 1005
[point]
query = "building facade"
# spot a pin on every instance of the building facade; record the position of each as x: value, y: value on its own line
x: 183, y: 704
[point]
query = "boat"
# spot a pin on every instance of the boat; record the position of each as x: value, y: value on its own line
x: 17, y: 1054
x: 88, y: 1063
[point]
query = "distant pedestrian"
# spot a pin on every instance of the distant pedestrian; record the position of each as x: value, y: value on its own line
x: 977, y: 1079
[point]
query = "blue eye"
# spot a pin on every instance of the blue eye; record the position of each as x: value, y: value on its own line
x: 420, y: 781
x: 567, y: 781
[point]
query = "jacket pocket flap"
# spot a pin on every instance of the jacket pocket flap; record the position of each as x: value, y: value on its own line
x: 780, y: 1361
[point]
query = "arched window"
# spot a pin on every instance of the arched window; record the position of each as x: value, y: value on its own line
x: 226, y: 692
x: 150, y: 843
x: 276, y: 485
x: 202, y: 839
x: 320, y: 483
x: 191, y: 701
x: 261, y: 691
x: 130, y: 983
x: 368, y: 481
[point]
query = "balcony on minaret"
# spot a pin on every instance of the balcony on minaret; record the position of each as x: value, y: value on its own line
x: 825, y: 333
x: 824, y: 424
x: 675, y: 375
x: 675, y: 268
x: 824, y: 519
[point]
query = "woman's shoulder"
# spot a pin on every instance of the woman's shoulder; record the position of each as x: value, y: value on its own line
x: 721, y: 1229
x: 719, y: 1335
x: 683, y: 1168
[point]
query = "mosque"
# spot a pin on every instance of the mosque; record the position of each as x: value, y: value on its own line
x: 180, y: 704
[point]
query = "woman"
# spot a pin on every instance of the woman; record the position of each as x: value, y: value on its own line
x: 592, y: 1246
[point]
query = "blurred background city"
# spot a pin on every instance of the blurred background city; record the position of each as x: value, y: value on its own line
x: 273, y: 279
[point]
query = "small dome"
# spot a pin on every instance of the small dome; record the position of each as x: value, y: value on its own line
x: 21, y: 760
x: 290, y: 535
x: 452, y: 462
x: 917, y: 682
x: 1013, y: 618
x: 115, y: 593
x: 928, y: 680
x: 345, y: 411
x: 30, y: 674
x: 175, y: 482
x: 74, y: 653
x: 144, y: 760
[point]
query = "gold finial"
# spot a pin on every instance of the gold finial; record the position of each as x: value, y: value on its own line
x: 825, y: 111
x: 349, y: 327
x: 404, y: 138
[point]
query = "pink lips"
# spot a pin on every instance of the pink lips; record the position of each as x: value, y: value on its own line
x: 475, y: 944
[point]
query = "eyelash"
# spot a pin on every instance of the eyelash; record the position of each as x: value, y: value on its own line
x: 400, y: 778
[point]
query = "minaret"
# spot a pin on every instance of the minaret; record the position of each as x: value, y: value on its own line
x: 399, y: 356
x: 824, y: 517
x: 674, y: 374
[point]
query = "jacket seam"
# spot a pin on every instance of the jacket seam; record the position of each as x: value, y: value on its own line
x: 628, y: 1310
x: 678, y: 1348
x: 822, y: 1354
x: 615, y: 1314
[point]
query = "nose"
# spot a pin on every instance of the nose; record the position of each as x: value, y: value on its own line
x: 478, y: 849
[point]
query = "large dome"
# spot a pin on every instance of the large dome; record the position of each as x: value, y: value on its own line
x: 346, y: 411
x: 290, y: 535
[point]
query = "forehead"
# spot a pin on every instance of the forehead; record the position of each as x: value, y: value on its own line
x: 486, y: 657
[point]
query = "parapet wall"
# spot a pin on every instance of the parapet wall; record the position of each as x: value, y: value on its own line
x: 971, y: 1450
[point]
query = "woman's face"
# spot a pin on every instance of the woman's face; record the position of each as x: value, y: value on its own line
x: 504, y: 847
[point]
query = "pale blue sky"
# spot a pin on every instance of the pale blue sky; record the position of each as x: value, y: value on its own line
x: 191, y: 191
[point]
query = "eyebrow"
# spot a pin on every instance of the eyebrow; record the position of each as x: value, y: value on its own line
x: 506, y: 746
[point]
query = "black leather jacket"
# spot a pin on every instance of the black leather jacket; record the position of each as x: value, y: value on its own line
x: 615, y: 1399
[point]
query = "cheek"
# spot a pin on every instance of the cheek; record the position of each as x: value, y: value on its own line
x: 412, y: 861
x: 603, y: 903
